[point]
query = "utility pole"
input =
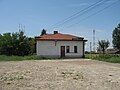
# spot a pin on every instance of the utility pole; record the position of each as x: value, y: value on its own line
x: 90, y: 47
x: 94, y: 40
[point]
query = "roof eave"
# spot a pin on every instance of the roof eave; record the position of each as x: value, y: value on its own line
x: 58, y: 40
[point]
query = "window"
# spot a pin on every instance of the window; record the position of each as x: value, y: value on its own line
x: 67, y: 49
x: 75, y: 49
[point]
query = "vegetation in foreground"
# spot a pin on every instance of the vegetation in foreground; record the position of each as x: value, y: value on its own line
x: 113, y: 58
x: 22, y: 58
x: 101, y: 57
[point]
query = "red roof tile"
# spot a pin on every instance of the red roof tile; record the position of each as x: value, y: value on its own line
x: 59, y: 36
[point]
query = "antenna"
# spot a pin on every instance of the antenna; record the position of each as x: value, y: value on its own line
x: 94, y: 40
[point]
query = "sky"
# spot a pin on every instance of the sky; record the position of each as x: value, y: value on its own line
x: 38, y: 14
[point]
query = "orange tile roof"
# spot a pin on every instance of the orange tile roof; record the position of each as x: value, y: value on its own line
x: 59, y: 36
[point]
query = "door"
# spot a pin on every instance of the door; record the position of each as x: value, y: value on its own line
x: 62, y: 51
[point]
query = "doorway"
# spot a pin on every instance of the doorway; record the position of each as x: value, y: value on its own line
x: 62, y: 51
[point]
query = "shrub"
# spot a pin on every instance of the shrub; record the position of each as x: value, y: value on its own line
x: 114, y: 58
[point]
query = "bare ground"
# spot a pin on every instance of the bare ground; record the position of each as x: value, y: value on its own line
x: 69, y: 74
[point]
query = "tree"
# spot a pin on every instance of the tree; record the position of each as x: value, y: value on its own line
x: 43, y: 32
x: 6, y: 44
x: 116, y: 37
x: 103, y: 45
x: 16, y: 44
x: 24, y: 46
x: 32, y: 43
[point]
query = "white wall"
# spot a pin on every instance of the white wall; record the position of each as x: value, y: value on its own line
x: 48, y: 48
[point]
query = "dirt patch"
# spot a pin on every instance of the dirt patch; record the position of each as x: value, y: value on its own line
x: 72, y: 74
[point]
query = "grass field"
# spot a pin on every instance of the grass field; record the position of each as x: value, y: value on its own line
x: 101, y: 57
x: 22, y: 58
x: 104, y: 57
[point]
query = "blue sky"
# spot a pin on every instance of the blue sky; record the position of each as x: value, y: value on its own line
x: 38, y: 14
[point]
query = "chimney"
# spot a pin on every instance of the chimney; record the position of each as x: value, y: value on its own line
x: 55, y: 32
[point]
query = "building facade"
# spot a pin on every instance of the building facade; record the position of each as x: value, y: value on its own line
x: 60, y: 45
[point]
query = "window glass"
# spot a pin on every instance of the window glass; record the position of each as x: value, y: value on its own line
x: 67, y: 49
x: 75, y: 49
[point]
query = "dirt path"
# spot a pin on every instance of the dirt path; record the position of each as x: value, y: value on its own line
x: 70, y: 74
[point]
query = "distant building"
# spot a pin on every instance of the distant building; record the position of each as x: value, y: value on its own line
x: 112, y: 51
x: 60, y: 45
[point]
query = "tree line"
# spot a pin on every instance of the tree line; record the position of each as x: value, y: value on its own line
x: 16, y: 44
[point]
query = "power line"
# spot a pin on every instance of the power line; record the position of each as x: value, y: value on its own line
x: 82, y: 12
x: 93, y: 14
x: 76, y: 13
x: 76, y: 16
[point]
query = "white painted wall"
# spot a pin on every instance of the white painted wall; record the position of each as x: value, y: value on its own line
x: 48, y: 48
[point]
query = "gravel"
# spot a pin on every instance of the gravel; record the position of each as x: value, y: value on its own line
x: 68, y: 74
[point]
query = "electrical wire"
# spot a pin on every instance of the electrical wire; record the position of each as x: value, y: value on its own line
x: 94, y: 14
x: 82, y: 12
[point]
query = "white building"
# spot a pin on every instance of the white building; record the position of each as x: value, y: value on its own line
x: 60, y: 45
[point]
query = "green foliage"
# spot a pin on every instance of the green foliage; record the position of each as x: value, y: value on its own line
x: 116, y: 37
x: 103, y: 45
x: 104, y: 57
x: 21, y: 58
x: 16, y: 44
x: 32, y: 43
x: 43, y: 32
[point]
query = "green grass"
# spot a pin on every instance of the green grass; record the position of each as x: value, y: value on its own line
x: 101, y: 57
x: 22, y: 58
x: 104, y: 57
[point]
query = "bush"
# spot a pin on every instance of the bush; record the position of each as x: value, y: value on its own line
x: 114, y: 58
x: 16, y: 44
